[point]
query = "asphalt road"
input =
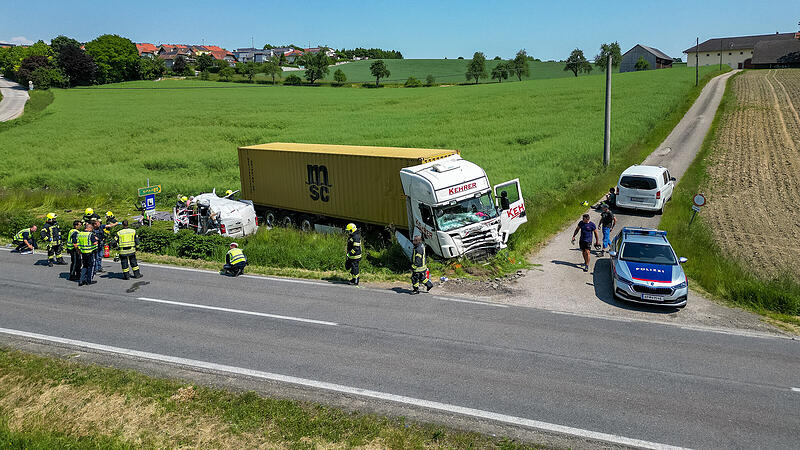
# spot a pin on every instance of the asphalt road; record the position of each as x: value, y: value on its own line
x: 654, y: 383
x: 13, y: 103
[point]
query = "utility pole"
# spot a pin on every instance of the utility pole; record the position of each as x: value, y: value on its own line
x: 697, y: 63
x: 720, y: 54
x: 607, y: 136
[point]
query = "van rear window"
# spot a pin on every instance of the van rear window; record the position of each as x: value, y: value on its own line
x: 643, y: 183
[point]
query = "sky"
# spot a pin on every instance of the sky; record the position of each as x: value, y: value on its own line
x: 419, y: 29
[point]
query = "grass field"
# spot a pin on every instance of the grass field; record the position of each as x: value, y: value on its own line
x: 104, y: 143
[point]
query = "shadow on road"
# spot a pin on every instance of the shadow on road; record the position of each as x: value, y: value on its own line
x: 601, y: 277
x: 567, y: 263
x: 400, y: 290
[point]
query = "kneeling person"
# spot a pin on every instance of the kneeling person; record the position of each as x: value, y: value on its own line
x: 234, y: 261
x: 126, y: 241
x: 24, y: 240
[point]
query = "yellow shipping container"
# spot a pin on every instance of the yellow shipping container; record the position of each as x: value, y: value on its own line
x: 352, y: 183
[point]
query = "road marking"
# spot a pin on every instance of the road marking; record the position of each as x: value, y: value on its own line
x: 461, y: 300
x: 455, y: 409
x: 728, y: 331
x: 237, y: 311
x: 796, y: 389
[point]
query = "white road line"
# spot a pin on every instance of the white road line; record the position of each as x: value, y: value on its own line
x: 237, y: 311
x: 460, y: 300
x: 796, y: 389
x: 471, y: 412
x: 729, y: 331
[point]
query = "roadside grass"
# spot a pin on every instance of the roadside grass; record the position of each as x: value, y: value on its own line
x: 34, y: 107
x: 55, y: 403
x: 548, y: 133
x: 715, y: 271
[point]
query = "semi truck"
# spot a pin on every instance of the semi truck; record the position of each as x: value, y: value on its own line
x: 434, y: 193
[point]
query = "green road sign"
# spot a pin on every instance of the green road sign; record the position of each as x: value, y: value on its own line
x: 150, y: 190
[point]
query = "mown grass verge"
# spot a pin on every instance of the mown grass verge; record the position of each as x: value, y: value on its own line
x: 53, y: 403
x: 715, y: 271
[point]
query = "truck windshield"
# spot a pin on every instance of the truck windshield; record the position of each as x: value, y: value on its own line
x: 465, y: 212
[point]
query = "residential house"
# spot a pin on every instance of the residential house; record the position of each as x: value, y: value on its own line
x: 147, y: 50
x: 292, y: 56
x: 654, y: 56
x: 252, y: 54
x: 329, y: 52
x: 737, y: 52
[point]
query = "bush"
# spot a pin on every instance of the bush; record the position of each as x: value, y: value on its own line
x: 430, y: 80
x: 412, y: 82
x: 293, y: 80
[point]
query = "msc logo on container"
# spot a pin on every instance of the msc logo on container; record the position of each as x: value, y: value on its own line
x: 318, y: 186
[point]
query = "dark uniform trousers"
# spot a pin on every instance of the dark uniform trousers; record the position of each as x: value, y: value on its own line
x: 75, y: 264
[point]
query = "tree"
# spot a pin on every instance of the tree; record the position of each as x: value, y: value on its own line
x: 60, y: 43
x: 412, y: 82
x: 179, y: 65
x: 641, y: 64
x: 602, y: 58
x: 204, y: 62
x: 205, y: 75
x: 477, y: 67
x: 498, y: 58
x: 116, y: 58
x: 378, y: 70
x: 293, y: 80
x: 519, y: 65
x: 28, y: 66
x: 500, y: 72
x: 250, y: 69
x: 577, y: 63
x: 339, y: 77
x: 218, y: 65
x: 272, y: 68
x: 316, y: 65
x: 152, y: 68
x: 430, y: 80
x: 77, y: 66
x: 226, y: 73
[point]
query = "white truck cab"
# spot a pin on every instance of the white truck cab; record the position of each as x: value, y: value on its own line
x: 450, y: 202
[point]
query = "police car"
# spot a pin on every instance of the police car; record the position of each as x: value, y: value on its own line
x: 645, y: 269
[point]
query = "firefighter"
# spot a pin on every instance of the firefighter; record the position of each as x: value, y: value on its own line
x: 87, y: 246
x: 127, y: 241
x: 353, y: 252
x: 234, y: 261
x: 24, y: 240
x: 89, y: 216
x: 228, y: 193
x: 51, y: 234
x: 181, y: 203
x: 419, y: 267
x: 111, y: 221
x: 74, y: 253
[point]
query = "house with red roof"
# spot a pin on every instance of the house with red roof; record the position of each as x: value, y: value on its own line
x: 147, y: 50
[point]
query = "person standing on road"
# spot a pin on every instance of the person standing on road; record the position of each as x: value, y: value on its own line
x: 74, y: 253
x: 607, y: 223
x: 419, y: 267
x: 235, y: 261
x: 586, y: 227
x: 87, y: 246
x: 51, y: 234
x: 353, y: 252
x: 24, y: 240
x: 127, y: 241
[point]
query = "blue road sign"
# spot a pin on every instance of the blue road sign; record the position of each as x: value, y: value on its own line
x: 150, y: 202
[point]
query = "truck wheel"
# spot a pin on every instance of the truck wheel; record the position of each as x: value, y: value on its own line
x: 287, y: 222
x: 269, y: 219
x: 306, y: 225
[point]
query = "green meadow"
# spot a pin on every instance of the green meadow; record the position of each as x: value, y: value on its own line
x: 98, y: 145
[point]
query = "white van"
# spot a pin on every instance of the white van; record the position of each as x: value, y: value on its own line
x: 646, y: 188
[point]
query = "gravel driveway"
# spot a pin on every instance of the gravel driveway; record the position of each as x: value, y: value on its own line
x: 14, y: 98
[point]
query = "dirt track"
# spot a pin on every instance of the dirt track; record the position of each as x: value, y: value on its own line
x: 754, y: 173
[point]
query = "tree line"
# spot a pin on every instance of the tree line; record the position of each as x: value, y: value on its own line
x: 371, y: 53
x: 577, y: 62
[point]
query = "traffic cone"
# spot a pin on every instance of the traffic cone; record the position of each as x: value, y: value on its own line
x: 106, y: 251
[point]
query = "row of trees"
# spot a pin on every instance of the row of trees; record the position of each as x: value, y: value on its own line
x: 577, y: 62
x: 65, y: 63
x: 518, y: 67
x: 371, y: 53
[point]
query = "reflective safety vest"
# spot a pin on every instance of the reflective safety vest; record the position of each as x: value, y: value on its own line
x: 19, y: 236
x: 236, y: 256
x: 418, y: 260
x: 354, y: 246
x: 72, y: 238
x: 52, y: 234
x: 126, y: 240
x: 85, y: 244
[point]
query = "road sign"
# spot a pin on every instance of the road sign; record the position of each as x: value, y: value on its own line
x: 695, y: 208
x: 699, y: 200
x: 150, y: 203
x: 156, y: 189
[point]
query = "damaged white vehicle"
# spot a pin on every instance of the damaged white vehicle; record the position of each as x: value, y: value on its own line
x: 209, y: 213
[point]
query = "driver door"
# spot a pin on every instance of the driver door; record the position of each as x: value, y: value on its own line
x: 512, y: 214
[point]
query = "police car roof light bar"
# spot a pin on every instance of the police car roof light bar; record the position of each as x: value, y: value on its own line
x: 643, y: 231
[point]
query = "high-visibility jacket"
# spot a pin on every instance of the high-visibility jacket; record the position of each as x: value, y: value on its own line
x: 85, y: 242
x: 418, y: 262
x: 126, y: 240
x: 51, y: 233
x: 21, y: 234
x: 72, y: 238
x: 236, y: 256
x: 354, y: 245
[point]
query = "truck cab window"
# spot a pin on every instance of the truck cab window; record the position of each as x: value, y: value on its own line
x: 426, y: 215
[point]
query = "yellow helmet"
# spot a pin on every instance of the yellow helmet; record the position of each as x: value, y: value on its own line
x: 109, y: 214
x: 51, y: 216
x: 184, y: 199
x: 228, y: 192
x: 89, y: 211
x: 351, y: 228
x: 585, y: 203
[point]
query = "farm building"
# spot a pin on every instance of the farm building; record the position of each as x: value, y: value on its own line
x: 737, y: 52
x: 777, y: 54
x: 655, y: 57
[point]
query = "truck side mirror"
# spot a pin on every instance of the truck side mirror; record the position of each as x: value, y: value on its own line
x: 682, y: 260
